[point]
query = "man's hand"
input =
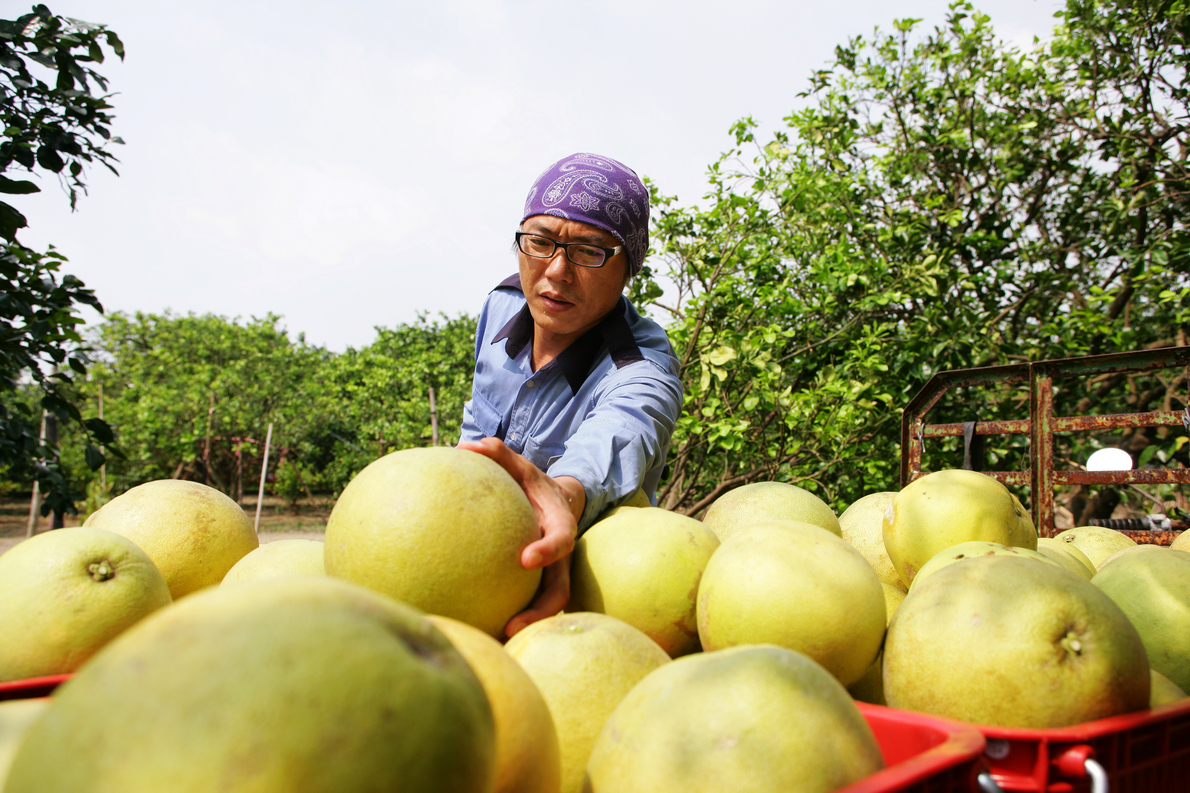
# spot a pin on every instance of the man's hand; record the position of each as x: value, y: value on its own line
x: 558, y: 504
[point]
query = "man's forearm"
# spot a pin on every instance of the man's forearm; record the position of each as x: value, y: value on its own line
x: 576, y: 495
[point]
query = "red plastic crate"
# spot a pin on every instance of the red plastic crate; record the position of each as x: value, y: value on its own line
x: 923, y: 754
x: 1143, y: 752
x: 32, y: 687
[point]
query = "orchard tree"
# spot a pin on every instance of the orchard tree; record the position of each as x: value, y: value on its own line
x: 937, y: 202
x: 56, y: 119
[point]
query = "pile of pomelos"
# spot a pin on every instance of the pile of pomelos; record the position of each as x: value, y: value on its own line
x: 717, y: 655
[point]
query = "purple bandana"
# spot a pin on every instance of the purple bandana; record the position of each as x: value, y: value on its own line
x: 600, y: 191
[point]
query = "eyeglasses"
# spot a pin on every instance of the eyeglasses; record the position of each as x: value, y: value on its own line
x: 581, y: 253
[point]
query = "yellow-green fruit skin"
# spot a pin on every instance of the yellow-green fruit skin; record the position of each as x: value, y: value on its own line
x: 583, y: 664
x: 1163, y: 690
x: 66, y: 593
x: 527, y: 757
x: 440, y: 529
x: 193, y: 533
x: 16, y: 717
x: 1067, y: 555
x: 862, y: 525
x: 1006, y: 641
x: 748, y: 720
x: 870, y: 687
x: 945, y: 508
x: 798, y: 586
x: 765, y: 501
x: 279, y: 559
x: 1181, y: 542
x: 643, y: 566
x: 1097, y: 543
x: 976, y: 548
x: 283, y: 686
x: 1153, y: 589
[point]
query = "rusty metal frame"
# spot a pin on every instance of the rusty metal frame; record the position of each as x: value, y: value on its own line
x: 1042, y: 423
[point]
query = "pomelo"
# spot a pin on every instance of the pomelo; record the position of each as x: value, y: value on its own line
x: 1138, y: 548
x: 862, y: 525
x: 976, y: 548
x: 440, y: 529
x: 1096, y: 542
x: 1153, y: 589
x: 1067, y: 555
x: 643, y: 567
x: 1164, y: 691
x: 747, y: 719
x: 66, y: 593
x: 1006, y: 641
x: 794, y: 585
x: 583, y: 664
x: 942, y: 509
x: 870, y: 687
x: 527, y: 759
x: 765, y: 501
x: 274, y: 686
x: 193, y: 533
x: 279, y: 559
x: 16, y: 717
x: 1181, y: 542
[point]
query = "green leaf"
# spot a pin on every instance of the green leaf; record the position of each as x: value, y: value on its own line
x: 13, y: 187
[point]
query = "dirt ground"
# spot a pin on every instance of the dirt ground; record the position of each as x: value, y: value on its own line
x: 276, y: 523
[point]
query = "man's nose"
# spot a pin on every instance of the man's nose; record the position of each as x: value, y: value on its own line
x: 558, y: 266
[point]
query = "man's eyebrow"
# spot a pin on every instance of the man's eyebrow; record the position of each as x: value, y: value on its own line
x: 591, y: 239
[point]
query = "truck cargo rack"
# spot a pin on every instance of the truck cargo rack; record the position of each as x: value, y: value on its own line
x: 1040, y: 426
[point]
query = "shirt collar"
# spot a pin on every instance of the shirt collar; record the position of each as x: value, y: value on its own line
x: 576, y: 360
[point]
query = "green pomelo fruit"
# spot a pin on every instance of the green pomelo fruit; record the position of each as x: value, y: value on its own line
x: 298, y: 684
x: 764, y: 501
x: 1138, y: 548
x: 862, y: 525
x: 66, y: 593
x: 942, y: 509
x: 1153, y: 589
x: 279, y: 559
x: 870, y: 687
x: 1096, y: 542
x: 643, y: 566
x: 1181, y: 542
x: 1067, y: 555
x: 440, y: 529
x: 583, y: 664
x: 193, y: 533
x: 1164, y: 691
x: 794, y: 585
x: 16, y: 717
x: 972, y: 550
x: 747, y: 719
x: 1005, y: 641
x: 527, y: 759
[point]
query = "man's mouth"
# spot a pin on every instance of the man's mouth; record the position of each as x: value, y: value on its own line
x: 555, y: 302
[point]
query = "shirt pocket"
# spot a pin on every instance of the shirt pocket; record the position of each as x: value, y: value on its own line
x: 543, y: 455
x: 487, y: 418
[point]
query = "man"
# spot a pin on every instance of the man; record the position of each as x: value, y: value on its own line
x: 575, y: 394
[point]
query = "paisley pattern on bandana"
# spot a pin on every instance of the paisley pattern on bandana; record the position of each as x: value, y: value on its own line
x: 596, y: 190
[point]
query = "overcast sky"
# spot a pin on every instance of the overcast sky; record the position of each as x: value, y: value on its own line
x: 349, y: 164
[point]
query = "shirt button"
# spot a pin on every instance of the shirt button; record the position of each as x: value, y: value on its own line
x: 512, y: 437
x: 530, y: 384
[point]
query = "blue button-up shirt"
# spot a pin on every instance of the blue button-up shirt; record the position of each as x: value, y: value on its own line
x: 602, y: 412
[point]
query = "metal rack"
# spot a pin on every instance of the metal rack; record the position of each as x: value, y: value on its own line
x: 1040, y: 426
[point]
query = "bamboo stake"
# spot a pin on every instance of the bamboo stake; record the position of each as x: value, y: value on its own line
x: 206, y: 452
x: 35, y: 502
x: 268, y: 438
x: 433, y: 419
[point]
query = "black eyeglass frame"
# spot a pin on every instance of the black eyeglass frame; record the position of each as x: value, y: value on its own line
x: 608, y: 253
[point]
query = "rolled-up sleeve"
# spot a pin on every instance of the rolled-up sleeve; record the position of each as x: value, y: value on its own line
x: 625, y: 434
